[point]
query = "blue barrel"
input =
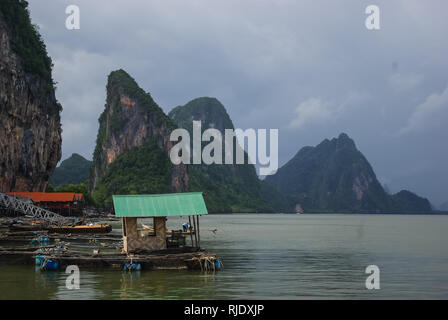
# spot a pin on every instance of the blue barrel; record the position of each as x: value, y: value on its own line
x: 218, y: 264
x: 50, y: 264
x: 132, y: 267
x: 40, y: 259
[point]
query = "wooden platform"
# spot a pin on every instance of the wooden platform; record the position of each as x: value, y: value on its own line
x: 183, y: 258
x: 22, y: 247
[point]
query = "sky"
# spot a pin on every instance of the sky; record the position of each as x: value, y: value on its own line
x: 310, y: 69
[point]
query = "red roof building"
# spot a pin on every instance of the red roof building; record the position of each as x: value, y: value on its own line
x: 38, y: 197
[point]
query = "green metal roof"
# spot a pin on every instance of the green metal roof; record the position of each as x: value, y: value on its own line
x: 159, y: 205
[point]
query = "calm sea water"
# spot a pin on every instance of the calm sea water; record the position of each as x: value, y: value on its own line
x: 276, y: 257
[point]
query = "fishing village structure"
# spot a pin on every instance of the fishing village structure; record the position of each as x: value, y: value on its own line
x: 63, y: 203
x: 159, y: 207
x: 64, y: 242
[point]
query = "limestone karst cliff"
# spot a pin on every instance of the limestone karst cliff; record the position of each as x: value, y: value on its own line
x: 30, y: 130
x: 228, y: 187
x: 133, y: 144
x: 335, y: 176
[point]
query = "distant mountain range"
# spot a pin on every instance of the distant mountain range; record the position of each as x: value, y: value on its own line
x: 73, y: 170
x: 132, y: 156
x: 133, y: 145
x: 230, y: 187
x: 132, y: 152
x: 335, y: 176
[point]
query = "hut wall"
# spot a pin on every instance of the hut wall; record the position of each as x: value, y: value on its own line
x: 134, y: 241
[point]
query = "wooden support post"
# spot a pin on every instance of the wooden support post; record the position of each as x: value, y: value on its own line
x: 195, y: 232
x: 199, y: 234
x: 189, y: 227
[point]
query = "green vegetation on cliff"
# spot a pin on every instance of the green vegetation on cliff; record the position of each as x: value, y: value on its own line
x: 120, y: 80
x: 228, y: 188
x: 114, y: 118
x: 73, y: 170
x: 143, y: 169
x: 209, y: 111
x: 26, y: 40
x: 335, y: 176
x: 132, y: 146
x: 408, y: 202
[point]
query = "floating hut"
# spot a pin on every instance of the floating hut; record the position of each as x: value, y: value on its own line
x: 150, y: 248
x: 159, y: 207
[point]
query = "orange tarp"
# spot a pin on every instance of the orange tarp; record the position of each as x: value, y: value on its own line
x: 49, y: 196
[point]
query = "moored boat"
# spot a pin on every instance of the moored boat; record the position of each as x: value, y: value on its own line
x: 100, y: 228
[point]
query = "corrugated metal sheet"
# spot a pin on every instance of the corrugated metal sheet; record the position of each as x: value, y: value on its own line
x: 159, y: 205
x: 48, y: 196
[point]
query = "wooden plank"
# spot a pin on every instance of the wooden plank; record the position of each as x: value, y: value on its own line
x: 199, y: 234
x: 195, y: 232
x: 189, y: 227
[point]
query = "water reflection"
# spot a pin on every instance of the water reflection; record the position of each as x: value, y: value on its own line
x: 274, y: 257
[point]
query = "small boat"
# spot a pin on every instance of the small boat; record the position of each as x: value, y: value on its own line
x: 99, y: 228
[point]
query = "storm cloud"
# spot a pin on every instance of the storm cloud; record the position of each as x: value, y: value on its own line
x: 308, y: 68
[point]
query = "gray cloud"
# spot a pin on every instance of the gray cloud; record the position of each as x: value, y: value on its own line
x: 430, y: 115
x: 266, y: 61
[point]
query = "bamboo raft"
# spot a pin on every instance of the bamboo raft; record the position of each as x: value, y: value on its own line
x: 97, y: 251
x: 187, y: 258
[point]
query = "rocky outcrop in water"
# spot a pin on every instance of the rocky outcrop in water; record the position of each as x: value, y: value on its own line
x: 132, y: 148
x: 408, y: 202
x: 228, y: 187
x: 335, y: 176
x: 30, y: 130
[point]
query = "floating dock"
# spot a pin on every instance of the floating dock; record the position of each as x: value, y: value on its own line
x: 151, y: 248
x: 97, y: 251
x: 166, y: 260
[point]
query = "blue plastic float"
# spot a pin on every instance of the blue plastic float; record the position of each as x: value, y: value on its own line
x: 49, y: 264
x: 132, y: 267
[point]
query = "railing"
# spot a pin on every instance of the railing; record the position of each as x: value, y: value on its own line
x: 29, y: 209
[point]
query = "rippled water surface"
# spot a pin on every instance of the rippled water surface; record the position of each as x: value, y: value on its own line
x: 275, y: 257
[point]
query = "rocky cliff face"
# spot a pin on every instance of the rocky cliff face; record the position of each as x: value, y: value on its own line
x: 209, y: 111
x: 30, y: 130
x: 130, y: 120
x: 335, y: 176
x: 228, y: 187
x: 408, y: 202
x: 331, y: 177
